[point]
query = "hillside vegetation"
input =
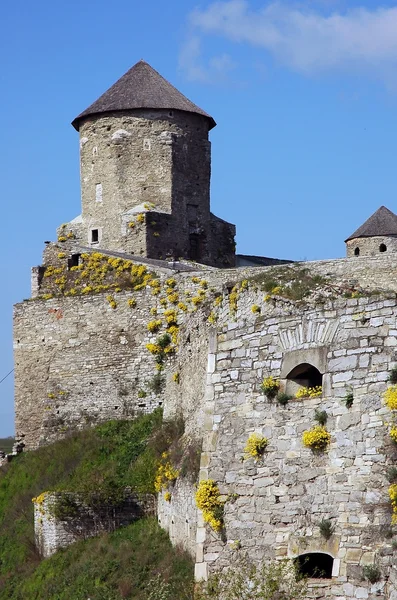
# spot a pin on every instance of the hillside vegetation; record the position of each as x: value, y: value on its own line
x: 6, y: 444
x: 137, y: 561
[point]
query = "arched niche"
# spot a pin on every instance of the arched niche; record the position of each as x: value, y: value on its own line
x: 306, y: 375
x: 304, y: 368
x: 315, y: 565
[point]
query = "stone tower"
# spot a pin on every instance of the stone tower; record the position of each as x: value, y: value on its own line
x: 145, y: 174
x: 377, y: 235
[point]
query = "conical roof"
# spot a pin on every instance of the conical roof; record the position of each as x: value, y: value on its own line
x: 382, y: 222
x: 141, y: 87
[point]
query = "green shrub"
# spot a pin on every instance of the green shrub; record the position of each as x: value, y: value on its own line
x: 348, y: 399
x: 283, y: 398
x: 372, y: 573
x: 320, y: 416
x: 327, y: 529
x: 392, y: 475
x: 393, y: 375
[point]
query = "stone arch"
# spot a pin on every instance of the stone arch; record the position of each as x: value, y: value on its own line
x: 315, y: 565
x: 304, y: 368
x: 382, y: 248
x: 357, y: 251
x: 306, y: 375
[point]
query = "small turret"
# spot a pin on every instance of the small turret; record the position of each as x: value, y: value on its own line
x: 377, y: 235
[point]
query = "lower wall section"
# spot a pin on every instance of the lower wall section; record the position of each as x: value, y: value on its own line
x: 61, y: 518
x: 178, y: 515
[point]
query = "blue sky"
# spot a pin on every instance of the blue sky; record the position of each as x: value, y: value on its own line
x: 304, y: 94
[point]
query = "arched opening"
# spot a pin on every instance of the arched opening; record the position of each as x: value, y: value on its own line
x: 382, y: 248
x: 317, y: 565
x: 357, y: 251
x: 306, y: 375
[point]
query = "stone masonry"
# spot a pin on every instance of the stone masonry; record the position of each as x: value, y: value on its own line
x: 86, y: 346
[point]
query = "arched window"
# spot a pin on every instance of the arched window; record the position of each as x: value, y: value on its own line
x: 382, y: 248
x: 306, y: 375
x: 316, y: 565
x: 357, y: 251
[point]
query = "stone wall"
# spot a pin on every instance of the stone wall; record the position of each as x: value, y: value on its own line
x: 178, y: 515
x: 79, y: 361
x: 277, y: 502
x: 53, y: 532
x: 371, y: 246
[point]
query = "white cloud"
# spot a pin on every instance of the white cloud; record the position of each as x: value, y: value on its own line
x: 192, y: 63
x: 303, y: 39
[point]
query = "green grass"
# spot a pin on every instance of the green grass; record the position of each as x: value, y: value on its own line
x: 137, y: 562
x: 6, y: 444
x: 102, y: 460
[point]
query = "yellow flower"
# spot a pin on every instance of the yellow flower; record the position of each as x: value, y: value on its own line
x: 309, y: 392
x: 316, y: 438
x: 154, y: 326
x: 173, y: 298
x: 270, y: 387
x: 390, y: 397
x: 393, y: 500
x: 212, y: 318
x: 132, y: 302
x: 393, y: 433
x: 256, y: 445
x: 111, y: 301
x: 208, y: 500
x: 255, y: 308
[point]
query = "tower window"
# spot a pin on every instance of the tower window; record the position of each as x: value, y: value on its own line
x: 74, y: 261
x: 357, y: 251
x: 382, y: 248
x: 94, y: 236
x: 317, y: 565
x: 98, y: 192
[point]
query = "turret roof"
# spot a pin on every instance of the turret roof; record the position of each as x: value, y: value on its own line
x: 141, y: 87
x: 382, y: 222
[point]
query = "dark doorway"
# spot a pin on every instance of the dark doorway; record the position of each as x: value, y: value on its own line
x: 357, y: 252
x: 382, y: 248
x: 196, y: 244
x: 316, y: 565
x: 306, y: 375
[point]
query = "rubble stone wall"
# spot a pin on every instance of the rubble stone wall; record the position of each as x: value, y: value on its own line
x: 276, y: 503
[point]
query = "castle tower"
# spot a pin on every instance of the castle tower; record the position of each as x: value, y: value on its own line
x: 376, y: 236
x: 145, y: 174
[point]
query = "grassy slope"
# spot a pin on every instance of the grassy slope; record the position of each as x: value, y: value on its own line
x: 118, y: 565
x: 6, y: 444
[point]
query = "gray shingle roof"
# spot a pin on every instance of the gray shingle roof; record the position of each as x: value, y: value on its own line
x: 141, y: 87
x: 382, y: 222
